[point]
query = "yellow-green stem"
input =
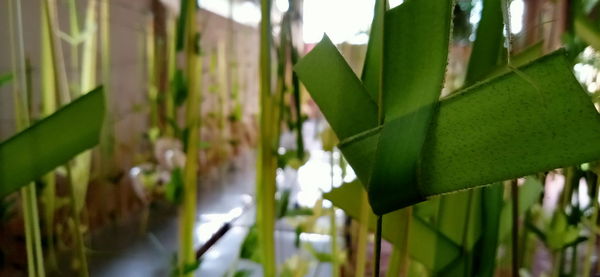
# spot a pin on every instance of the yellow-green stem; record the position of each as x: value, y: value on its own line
x: 171, y: 63
x: 151, y: 79
x: 75, y: 33
x: 591, y: 244
x: 266, y: 162
x: 335, y: 267
x: 399, y: 261
x: 107, y: 140
x: 77, y: 224
x: 193, y: 71
x: 35, y: 258
x: 363, y: 232
x: 48, y: 88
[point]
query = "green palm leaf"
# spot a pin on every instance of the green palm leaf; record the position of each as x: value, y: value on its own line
x: 51, y: 142
x: 534, y: 119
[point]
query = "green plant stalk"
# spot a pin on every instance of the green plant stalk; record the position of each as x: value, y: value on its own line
x: 75, y: 33
x: 573, y: 261
x: 108, y: 134
x: 77, y: 224
x: 171, y: 64
x: 335, y: 266
x: 591, y: 245
x: 363, y: 232
x: 48, y: 88
x: 59, y: 69
x: 266, y: 160
x: 222, y: 97
x: 80, y: 168
x: 88, y: 65
x: 151, y: 79
x: 188, y: 210
x: 35, y: 258
x: 514, y: 188
x: 564, y: 200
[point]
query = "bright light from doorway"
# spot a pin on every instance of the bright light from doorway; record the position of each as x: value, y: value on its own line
x: 341, y: 20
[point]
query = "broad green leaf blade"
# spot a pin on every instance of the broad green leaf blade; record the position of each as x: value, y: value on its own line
x: 337, y: 91
x: 417, y: 35
x: 520, y: 123
x: 51, y: 142
x: 488, y: 43
x: 423, y: 239
x: 531, y: 120
x: 416, y: 52
x: 373, y: 68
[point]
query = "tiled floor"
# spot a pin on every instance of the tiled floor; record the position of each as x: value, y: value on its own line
x: 124, y: 251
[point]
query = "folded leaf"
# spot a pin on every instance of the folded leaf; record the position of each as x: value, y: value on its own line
x: 531, y: 120
x: 51, y: 142
x: 528, y: 120
x: 404, y: 68
x: 336, y: 89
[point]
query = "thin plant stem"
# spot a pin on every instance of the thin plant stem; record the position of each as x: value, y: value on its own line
x: 35, y: 258
x: 515, y: 227
x: 60, y: 71
x: 75, y: 33
x: 48, y: 88
x: 151, y: 78
x: 78, y: 233
x: 335, y: 267
x: 378, y: 246
x: 107, y: 140
x: 591, y: 245
x: 363, y: 232
x: 171, y: 66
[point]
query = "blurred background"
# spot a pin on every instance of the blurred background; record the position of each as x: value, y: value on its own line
x: 132, y: 187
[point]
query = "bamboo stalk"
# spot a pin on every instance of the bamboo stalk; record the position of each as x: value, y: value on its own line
x: 78, y: 233
x: 187, y: 255
x: 171, y: 66
x: 35, y: 258
x: 266, y: 162
x: 75, y: 33
x: 48, y: 88
x: 151, y: 79
x: 59, y: 69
